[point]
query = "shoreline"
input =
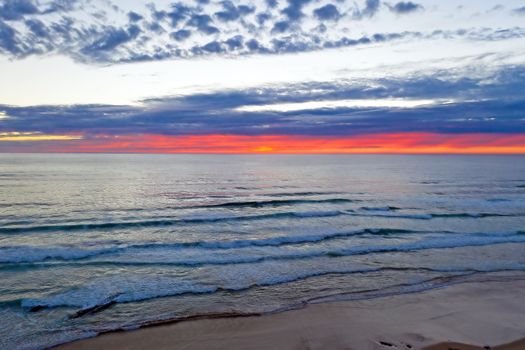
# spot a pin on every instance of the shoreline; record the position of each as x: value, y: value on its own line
x: 480, y: 312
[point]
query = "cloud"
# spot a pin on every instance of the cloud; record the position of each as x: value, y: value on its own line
x: 37, y: 27
x: 271, y: 3
x: 213, y: 47
x: 178, y: 13
x: 8, y: 40
x: 134, y: 17
x: 327, y: 13
x: 294, y: 9
x: 519, y: 11
x: 293, y: 13
x: 203, y: 24
x: 371, y: 8
x: 181, y: 34
x: 263, y: 17
x: 405, y: 7
x: 281, y: 27
x: 184, y: 29
x: 110, y: 39
x: 231, y: 12
x: 17, y: 9
x: 491, y: 103
x: 235, y: 43
x: 62, y: 6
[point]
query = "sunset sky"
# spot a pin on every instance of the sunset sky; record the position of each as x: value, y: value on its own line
x: 262, y: 76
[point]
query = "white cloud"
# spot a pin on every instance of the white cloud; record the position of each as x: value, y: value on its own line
x: 332, y: 104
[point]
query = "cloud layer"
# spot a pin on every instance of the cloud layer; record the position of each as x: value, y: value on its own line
x: 477, y: 104
x: 97, y: 31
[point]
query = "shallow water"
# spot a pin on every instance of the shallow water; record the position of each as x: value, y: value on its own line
x: 90, y: 243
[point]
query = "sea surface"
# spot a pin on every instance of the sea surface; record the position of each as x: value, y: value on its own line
x: 93, y: 243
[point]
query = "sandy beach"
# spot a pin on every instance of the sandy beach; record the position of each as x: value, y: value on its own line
x: 486, y: 314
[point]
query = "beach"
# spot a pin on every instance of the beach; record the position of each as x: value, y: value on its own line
x: 485, y: 312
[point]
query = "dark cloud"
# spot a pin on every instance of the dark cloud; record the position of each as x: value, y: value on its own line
x: 156, y: 14
x: 327, y: 13
x: 294, y: 9
x: 263, y: 17
x: 231, y: 12
x: 181, y: 34
x: 271, y: 3
x: 111, y: 38
x: 62, y: 6
x: 8, y: 40
x: 371, y: 8
x: 37, y: 27
x: 155, y: 27
x: 289, y: 46
x: 281, y: 27
x: 405, y: 7
x: 17, y: 9
x: 520, y: 11
x: 203, y: 24
x: 496, y: 8
x: 178, y: 13
x: 213, y: 47
x: 293, y: 13
x: 235, y: 43
x: 492, y: 104
x: 254, y: 45
x: 134, y: 17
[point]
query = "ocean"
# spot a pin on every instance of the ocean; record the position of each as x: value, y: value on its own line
x: 94, y: 243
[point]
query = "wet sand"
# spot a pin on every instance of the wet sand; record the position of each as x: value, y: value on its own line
x: 484, y: 314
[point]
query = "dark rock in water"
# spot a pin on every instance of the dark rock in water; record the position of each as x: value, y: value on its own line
x: 36, y: 308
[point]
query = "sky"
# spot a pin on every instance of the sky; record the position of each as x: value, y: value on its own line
x: 262, y: 76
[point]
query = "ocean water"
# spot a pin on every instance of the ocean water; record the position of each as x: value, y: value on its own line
x: 93, y: 243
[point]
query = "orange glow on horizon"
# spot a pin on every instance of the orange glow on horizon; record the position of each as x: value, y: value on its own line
x: 390, y: 143
x: 31, y: 136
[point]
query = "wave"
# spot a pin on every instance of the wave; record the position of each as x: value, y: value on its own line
x: 472, y: 215
x: 196, y: 219
x: 304, y: 194
x: 105, y: 292
x: 387, y: 208
x: 316, y: 252
x: 498, y: 200
x: 388, y: 213
x: 31, y: 254
x: 248, y: 204
x: 272, y: 203
x: 134, y: 258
